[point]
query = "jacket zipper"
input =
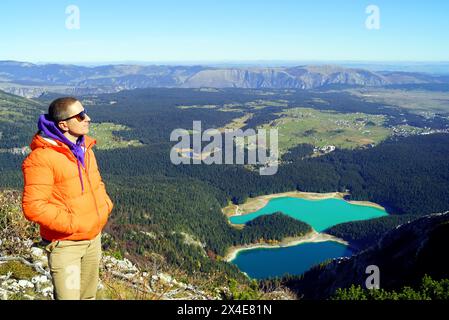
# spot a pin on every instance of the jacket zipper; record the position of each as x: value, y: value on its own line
x: 90, y: 185
x: 86, y: 169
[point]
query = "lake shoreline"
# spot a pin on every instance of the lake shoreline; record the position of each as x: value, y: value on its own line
x: 311, y: 237
x: 254, y: 204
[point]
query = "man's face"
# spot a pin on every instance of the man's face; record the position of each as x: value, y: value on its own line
x: 76, y: 126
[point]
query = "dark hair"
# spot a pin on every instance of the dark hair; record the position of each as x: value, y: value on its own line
x: 59, y: 107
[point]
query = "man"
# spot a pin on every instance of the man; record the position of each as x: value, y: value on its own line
x: 64, y: 194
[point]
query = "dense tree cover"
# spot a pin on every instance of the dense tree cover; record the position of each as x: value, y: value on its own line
x: 156, y: 201
x: 428, y: 290
x: 275, y: 226
x: 16, y: 113
x: 408, y: 176
x: 298, y: 153
x: 362, y: 234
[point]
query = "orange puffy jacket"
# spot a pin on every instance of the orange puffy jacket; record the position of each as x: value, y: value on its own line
x: 69, y: 202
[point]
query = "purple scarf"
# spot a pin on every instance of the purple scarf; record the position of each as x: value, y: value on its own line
x: 49, y: 128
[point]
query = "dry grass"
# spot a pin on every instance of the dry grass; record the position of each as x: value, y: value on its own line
x: 14, y: 227
x: 119, y: 289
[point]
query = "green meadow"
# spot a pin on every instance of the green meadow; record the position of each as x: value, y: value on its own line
x: 106, y: 140
x: 325, y: 128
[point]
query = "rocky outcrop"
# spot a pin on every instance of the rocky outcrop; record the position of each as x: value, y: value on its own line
x: 24, y: 272
x: 307, y: 77
x: 29, y: 278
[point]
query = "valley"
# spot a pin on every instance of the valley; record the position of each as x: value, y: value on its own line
x: 387, y: 157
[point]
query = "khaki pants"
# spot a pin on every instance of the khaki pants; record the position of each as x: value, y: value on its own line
x: 74, y: 267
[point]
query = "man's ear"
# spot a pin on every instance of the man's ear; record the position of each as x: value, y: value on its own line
x: 63, y: 126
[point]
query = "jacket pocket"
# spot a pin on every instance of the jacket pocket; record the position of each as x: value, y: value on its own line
x: 86, y: 223
x: 75, y: 222
x: 70, y: 212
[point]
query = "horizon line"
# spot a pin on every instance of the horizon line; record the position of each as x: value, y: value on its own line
x: 205, y: 62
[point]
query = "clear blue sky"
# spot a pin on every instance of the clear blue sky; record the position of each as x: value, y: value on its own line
x: 225, y: 30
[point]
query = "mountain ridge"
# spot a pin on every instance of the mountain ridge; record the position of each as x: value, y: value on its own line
x: 31, y: 80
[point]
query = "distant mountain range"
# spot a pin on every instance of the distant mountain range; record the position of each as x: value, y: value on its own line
x: 31, y: 80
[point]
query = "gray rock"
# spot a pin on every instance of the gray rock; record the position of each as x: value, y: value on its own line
x: 47, y: 292
x: 25, y: 284
x: 37, y: 252
x: 40, y: 279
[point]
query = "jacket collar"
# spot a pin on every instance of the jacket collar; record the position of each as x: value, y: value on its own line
x: 39, y: 141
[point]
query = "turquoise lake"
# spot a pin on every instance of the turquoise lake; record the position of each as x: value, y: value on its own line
x: 320, y: 214
x: 264, y: 263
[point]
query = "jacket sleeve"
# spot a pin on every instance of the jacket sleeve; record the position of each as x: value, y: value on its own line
x: 38, y: 188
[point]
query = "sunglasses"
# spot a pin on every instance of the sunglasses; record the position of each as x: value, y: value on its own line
x: 80, y: 116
